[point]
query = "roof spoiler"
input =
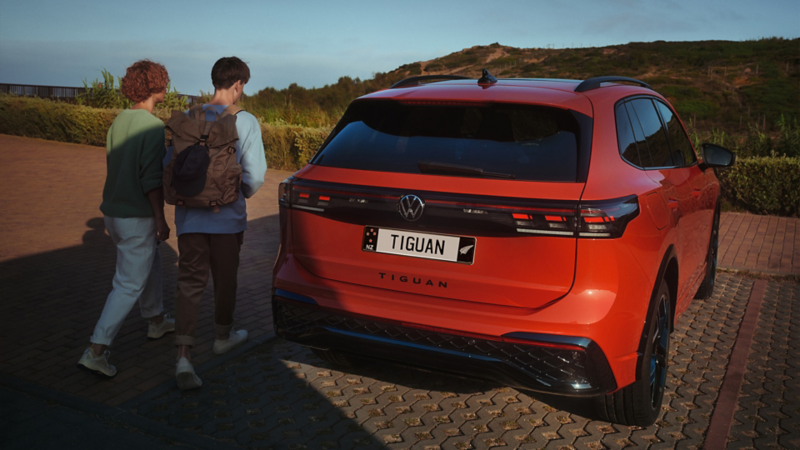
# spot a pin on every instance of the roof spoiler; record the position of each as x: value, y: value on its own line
x: 594, y: 83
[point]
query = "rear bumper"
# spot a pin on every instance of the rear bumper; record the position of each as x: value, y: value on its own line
x: 545, y: 363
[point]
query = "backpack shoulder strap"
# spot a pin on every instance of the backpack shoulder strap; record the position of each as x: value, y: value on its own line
x: 230, y: 110
x: 196, y: 112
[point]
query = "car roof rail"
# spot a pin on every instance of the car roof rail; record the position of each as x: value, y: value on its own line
x: 415, y: 81
x: 594, y: 83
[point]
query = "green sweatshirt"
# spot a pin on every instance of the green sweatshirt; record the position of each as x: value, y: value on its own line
x: 134, y: 150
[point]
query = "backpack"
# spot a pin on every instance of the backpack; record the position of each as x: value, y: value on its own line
x: 203, y: 172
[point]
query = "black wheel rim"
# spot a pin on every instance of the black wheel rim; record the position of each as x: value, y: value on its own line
x: 659, y: 346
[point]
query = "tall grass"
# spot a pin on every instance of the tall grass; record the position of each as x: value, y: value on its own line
x: 784, y: 141
x: 106, y: 94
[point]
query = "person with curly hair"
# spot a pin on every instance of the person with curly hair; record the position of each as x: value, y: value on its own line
x: 133, y: 212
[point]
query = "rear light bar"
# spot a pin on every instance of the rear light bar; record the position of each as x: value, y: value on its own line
x: 312, y: 199
x: 605, y: 219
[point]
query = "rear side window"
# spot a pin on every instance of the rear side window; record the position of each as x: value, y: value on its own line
x: 683, y: 155
x: 639, y: 136
x: 519, y: 142
x: 627, y: 141
x: 654, y: 133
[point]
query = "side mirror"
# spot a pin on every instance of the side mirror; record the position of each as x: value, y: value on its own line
x: 716, y: 156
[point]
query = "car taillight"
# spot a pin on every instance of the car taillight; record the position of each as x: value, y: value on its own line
x: 593, y: 219
x: 607, y: 218
x: 285, y: 193
x: 546, y: 222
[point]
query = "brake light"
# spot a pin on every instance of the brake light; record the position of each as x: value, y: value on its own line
x: 608, y: 218
x: 595, y: 219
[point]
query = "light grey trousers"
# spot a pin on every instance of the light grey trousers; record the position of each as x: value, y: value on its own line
x: 138, y: 276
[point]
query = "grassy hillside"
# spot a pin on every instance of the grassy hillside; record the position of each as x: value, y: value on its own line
x: 718, y: 83
x: 722, y: 87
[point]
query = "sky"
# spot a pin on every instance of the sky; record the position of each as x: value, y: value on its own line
x: 314, y: 42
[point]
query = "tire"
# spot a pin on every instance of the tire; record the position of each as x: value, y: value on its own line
x: 707, y: 286
x: 640, y: 403
x: 336, y: 358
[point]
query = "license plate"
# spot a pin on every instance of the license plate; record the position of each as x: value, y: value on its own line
x: 441, y: 247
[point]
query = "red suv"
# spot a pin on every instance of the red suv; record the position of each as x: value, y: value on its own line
x: 542, y: 233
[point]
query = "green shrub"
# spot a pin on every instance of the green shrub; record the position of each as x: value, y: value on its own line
x: 289, y: 147
x: 46, y: 119
x: 413, y: 69
x: 286, y: 147
x: 278, y: 144
x: 701, y: 109
x: 763, y: 185
x: 308, y: 141
x: 433, y: 67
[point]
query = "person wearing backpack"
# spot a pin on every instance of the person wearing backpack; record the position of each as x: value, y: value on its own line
x: 133, y: 212
x: 215, y: 162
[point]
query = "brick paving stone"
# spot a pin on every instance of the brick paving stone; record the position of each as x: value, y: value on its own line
x: 759, y: 243
x: 296, y: 399
x: 768, y: 415
x: 57, y: 263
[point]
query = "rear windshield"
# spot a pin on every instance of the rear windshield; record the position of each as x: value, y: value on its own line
x: 519, y: 142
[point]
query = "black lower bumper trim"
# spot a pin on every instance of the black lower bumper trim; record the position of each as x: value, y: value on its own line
x: 574, y: 370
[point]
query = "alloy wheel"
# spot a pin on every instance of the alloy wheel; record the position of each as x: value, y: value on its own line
x: 659, y: 352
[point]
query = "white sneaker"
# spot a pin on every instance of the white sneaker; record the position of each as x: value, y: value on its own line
x: 98, y: 364
x: 158, y: 330
x: 186, y: 377
x: 235, y: 339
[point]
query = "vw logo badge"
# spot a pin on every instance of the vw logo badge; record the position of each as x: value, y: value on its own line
x: 410, y: 207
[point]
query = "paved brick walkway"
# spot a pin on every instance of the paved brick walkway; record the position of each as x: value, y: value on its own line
x: 282, y: 393
x: 767, y: 244
x: 768, y: 413
x: 56, y: 265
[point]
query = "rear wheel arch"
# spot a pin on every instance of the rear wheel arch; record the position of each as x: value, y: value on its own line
x: 667, y: 271
x: 639, y: 403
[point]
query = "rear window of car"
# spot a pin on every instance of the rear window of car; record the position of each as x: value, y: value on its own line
x: 519, y: 142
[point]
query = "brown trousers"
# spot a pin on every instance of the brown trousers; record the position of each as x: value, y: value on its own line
x: 200, y: 252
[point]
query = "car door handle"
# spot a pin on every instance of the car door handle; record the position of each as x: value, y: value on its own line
x: 696, y: 192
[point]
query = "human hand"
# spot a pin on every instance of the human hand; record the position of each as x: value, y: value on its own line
x: 162, y: 229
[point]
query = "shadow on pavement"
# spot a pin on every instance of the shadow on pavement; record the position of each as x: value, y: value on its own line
x: 280, y: 395
x: 51, y: 302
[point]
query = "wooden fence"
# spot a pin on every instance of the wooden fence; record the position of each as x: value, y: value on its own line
x: 59, y: 92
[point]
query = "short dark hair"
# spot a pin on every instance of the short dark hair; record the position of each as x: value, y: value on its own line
x: 143, y: 79
x: 229, y: 70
